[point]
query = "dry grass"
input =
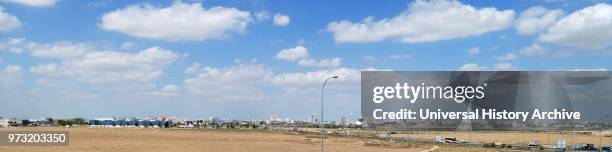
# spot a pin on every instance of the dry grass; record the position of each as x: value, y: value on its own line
x: 138, y: 139
x: 514, y: 137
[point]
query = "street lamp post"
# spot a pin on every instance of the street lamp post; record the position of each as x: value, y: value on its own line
x: 321, y: 121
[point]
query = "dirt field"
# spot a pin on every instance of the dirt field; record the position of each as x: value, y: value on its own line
x: 515, y: 137
x: 140, y: 139
x: 137, y: 139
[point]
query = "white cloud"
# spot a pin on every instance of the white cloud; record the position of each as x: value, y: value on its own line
x: 534, y: 50
x: 110, y: 67
x: 300, y: 81
x: 44, y: 68
x: 281, y: 19
x: 194, y: 68
x: 507, y: 57
x: 82, y: 64
x: 33, y: 3
x: 255, y: 82
x: 293, y: 54
x: 13, y: 69
x: 587, y: 28
x: 60, y: 50
x: 262, y: 15
x: 8, y: 22
x: 10, y: 77
x: 536, y: 19
x: 472, y: 67
x: 333, y: 62
x: 236, y: 83
x: 425, y: 21
x: 15, y: 45
x: 503, y: 66
x: 477, y: 67
x: 300, y: 54
x: 180, y: 21
x: 473, y: 50
x: 168, y: 90
x: 57, y: 50
x: 400, y: 56
x: 594, y: 69
x: 128, y: 45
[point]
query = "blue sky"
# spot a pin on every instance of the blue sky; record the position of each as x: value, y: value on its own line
x: 251, y: 59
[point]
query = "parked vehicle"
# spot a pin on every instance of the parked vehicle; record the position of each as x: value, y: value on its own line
x: 533, y: 144
x: 450, y: 140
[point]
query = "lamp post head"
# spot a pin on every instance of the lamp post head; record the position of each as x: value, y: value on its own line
x: 335, y: 76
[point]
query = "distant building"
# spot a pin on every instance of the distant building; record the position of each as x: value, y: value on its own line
x: 131, y: 122
x: 275, y: 118
x: 4, y: 123
x: 102, y: 122
x: 314, y: 118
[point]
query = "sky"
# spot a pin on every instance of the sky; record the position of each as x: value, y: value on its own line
x: 253, y: 59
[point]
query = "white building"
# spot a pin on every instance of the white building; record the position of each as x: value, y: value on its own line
x: 275, y: 118
x: 4, y: 123
x: 314, y: 118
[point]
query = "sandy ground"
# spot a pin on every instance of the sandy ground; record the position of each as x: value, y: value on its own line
x: 140, y: 139
x: 515, y: 137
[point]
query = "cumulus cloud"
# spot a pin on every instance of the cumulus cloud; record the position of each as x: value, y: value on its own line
x: 293, y: 54
x: 400, y: 56
x: 194, y: 68
x: 15, y: 45
x: 111, y: 66
x: 128, y: 45
x: 96, y: 73
x: 88, y: 65
x: 168, y: 90
x: 9, y: 76
x: 536, y: 19
x: 473, y: 50
x: 333, y: 62
x: 262, y: 16
x: 235, y: 83
x: 425, y: 21
x: 281, y: 19
x: 301, y: 55
x: 8, y: 22
x: 33, y: 3
x: 588, y: 28
x: 57, y: 50
x: 503, y: 66
x: 534, y: 50
x: 472, y: 67
x: 44, y: 68
x: 13, y: 68
x: 507, y: 57
x: 592, y: 69
x: 256, y: 82
x: 177, y: 22
x: 60, y: 50
x: 300, y: 81
x: 477, y: 67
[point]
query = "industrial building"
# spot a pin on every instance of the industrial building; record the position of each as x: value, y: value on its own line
x: 129, y: 122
